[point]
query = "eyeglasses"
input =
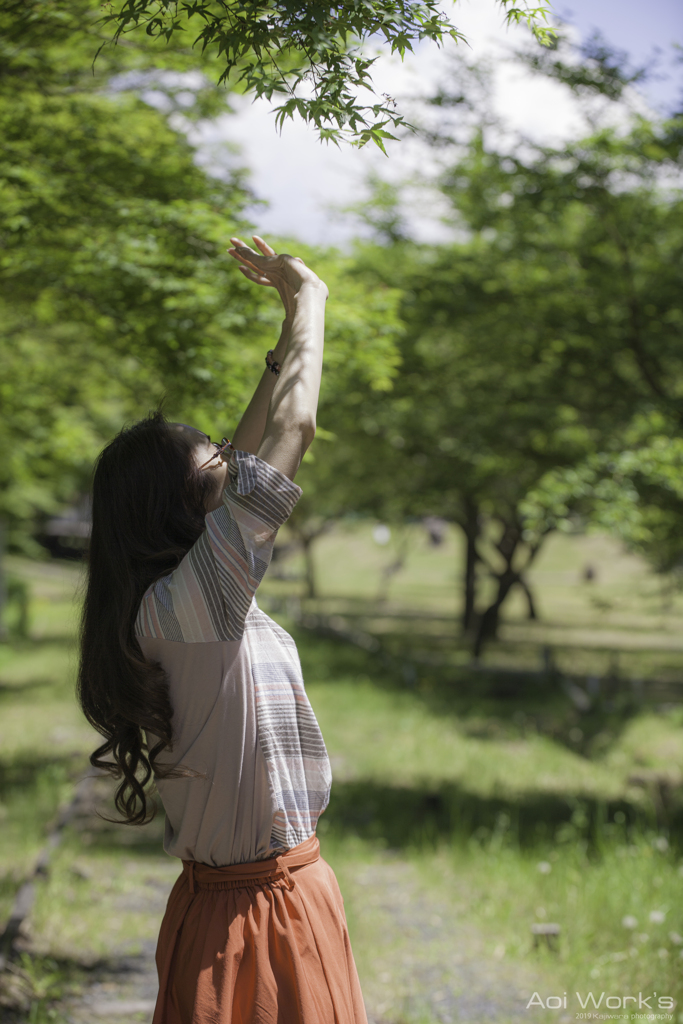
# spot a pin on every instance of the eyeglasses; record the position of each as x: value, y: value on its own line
x: 220, y: 448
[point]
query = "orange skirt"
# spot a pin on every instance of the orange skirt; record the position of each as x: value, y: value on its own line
x: 258, y: 943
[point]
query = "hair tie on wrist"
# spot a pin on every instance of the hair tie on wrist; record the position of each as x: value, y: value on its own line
x: 271, y: 364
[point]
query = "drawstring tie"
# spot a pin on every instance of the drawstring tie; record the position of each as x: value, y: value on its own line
x: 279, y: 868
x: 285, y: 872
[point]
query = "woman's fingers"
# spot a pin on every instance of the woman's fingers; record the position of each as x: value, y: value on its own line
x: 266, y: 249
x: 246, y: 250
x: 242, y: 258
x: 256, y: 277
x: 247, y: 254
x: 243, y: 252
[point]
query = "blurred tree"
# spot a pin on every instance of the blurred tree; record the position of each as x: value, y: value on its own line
x: 49, y: 45
x: 635, y: 491
x: 529, y: 344
x: 631, y: 187
x: 114, y: 285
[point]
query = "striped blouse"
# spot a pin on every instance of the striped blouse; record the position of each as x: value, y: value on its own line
x: 242, y: 723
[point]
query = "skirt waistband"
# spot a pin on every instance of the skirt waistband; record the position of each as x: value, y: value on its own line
x: 256, y: 872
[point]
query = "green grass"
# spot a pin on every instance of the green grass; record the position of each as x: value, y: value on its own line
x: 491, y: 883
x: 104, y: 890
x: 488, y: 812
x: 44, y: 740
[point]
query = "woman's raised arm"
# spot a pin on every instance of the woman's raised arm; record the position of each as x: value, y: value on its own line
x: 291, y: 414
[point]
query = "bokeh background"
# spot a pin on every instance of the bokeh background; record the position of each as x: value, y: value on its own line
x: 484, y: 575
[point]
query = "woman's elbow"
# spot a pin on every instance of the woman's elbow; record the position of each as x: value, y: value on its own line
x: 307, y: 428
x: 295, y: 432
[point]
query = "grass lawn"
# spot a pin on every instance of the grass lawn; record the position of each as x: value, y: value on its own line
x: 458, y: 820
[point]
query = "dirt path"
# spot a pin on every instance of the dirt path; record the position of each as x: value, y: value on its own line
x: 123, y: 988
x: 427, y: 962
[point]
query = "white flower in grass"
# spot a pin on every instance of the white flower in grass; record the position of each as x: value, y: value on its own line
x: 544, y: 867
x: 661, y: 843
x: 657, y: 916
x: 629, y: 922
x: 676, y: 938
x: 662, y: 953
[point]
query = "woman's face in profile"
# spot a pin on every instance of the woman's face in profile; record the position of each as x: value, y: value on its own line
x: 204, y: 452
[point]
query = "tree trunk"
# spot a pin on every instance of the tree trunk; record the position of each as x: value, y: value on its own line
x: 508, y: 544
x: 389, y: 571
x: 471, y: 531
x: 305, y: 533
x: 3, y: 583
x: 309, y: 564
x: 488, y: 626
x: 385, y: 579
x: 531, y: 604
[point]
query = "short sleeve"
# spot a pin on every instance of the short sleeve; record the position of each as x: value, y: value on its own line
x: 208, y: 596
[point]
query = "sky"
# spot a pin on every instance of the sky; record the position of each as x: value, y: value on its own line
x: 306, y: 184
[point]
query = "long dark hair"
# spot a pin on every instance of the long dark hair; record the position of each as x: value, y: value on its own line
x: 148, y: 508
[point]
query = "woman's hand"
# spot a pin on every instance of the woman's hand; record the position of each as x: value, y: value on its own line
x: 286, y: 273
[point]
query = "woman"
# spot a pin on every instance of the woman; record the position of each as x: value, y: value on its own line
x: 189, y: 682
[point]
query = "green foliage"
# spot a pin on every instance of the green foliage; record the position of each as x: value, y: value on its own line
x: 635, y: 491
x: 50, y: 45
x: 115, y: 284
x: 116, y: 287
x: 273, y: 48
